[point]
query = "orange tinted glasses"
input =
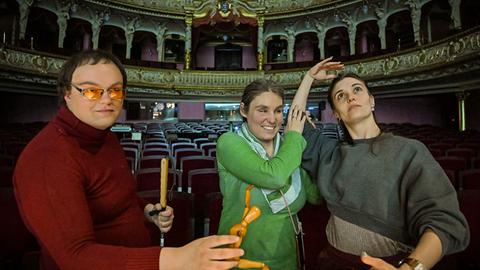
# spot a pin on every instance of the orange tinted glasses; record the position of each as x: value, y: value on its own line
x: 95, y: 93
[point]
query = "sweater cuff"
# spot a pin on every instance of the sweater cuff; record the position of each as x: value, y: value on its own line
x: 143, y: 258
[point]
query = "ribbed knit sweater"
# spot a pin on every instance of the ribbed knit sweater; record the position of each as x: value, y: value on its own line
x: 389, y: 184
x: 77, y: 196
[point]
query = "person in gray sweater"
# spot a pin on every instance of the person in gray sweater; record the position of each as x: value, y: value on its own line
x: 392, y: 206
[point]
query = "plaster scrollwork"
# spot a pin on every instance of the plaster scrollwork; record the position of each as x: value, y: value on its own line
x: 290, y: 31
x: 411, y: 63
x: 320, y: 26
x: 40, y: 63
x: 455, y: 48
x: 151, y: 91
x: 132, y: 24
x: 351, y: 27
x: 3, y: 54
x: 159, y: 5
x: 31, y: 62
x: 285, y: 5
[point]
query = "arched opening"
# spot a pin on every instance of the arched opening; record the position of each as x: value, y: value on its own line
x: 306, y: 47
x: 469, y: 10
x: 277, y: 48
x: 367, y: 40
x: 42, y: 31
x: 78, y: 36
x: 436, y: 22
x: 144, y: 47
x: 174, y: 49
x: 337, y: 42
x: 210, y: 42
x: 112, y: 39
x: 399, y: 31
x: 8, y: 21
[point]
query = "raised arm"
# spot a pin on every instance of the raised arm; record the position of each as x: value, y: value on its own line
x: 317, y: 72
x: 237, y: 157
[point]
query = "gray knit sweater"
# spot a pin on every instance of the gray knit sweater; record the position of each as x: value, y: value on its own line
x: 389, y: 184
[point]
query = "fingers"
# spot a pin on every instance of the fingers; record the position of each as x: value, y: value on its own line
x: 220, y: 254
x: 327, y: 64
x: 216, y: 265
x: 163, y: 219
x: 295, y: 113
x: 149, y: 207
x: 225, y: 253
x: 167, y: 212
x: 375, y: 263
x: 220, y: 240
x: 298, y: 114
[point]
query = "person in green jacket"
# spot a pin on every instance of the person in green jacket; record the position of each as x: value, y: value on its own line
x: 257, y: 154
x: 391, y: 204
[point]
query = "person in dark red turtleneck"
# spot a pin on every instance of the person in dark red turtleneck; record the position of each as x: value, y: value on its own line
x: 76, y: 192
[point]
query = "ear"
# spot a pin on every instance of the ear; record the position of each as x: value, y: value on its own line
x: 66, y: 97
x: 372, y: 101
x: 337, y: 116
x: 242, y: 110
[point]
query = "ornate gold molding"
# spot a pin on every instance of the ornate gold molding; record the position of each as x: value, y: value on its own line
x: 457, y: 50
x: 246, y: 7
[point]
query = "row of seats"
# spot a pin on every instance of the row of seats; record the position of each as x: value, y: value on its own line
x: 202, y: 204
x: 314, y: 219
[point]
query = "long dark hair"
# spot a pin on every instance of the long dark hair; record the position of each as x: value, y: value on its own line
x: 346, y: 137
x: 91, y: 57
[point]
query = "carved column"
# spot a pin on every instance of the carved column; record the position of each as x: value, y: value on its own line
x: 260, y: 42
x: 96, y: 25
x: 382, y: 24
x: 291, y: 43
x: 455, y: 14
x: 24, y: 10
x: 129, y: 33
x: 62, y: 20
x: 461, y: 97
x: 416, y: 15
x: 188, y: 40
x: 352, y: 31
x: 320, y: 25
x: 161, y: 29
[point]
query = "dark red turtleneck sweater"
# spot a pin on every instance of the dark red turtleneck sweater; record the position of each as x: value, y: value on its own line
x: 76, y: 194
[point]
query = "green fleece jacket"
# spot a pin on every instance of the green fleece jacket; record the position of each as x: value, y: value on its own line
x: 389, y: 184
x: 270, y: 238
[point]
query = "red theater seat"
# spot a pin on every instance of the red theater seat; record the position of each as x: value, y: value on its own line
x: 15, y: 239
x: 314, y: 220
x: 470, y: 179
